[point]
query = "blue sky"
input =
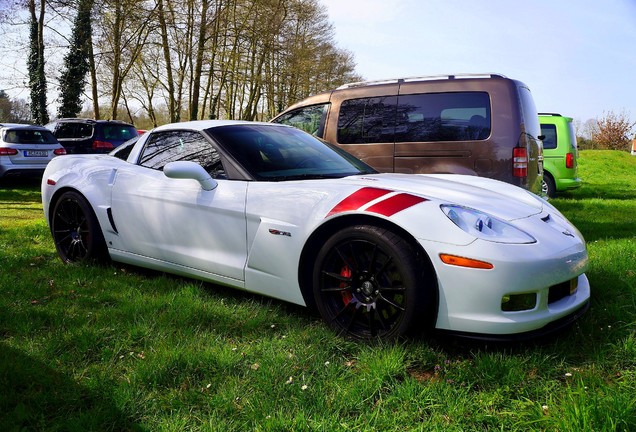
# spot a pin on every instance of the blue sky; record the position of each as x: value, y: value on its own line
x: 577, y: 56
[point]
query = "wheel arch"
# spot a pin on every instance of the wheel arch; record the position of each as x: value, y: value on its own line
x: 56, y: 196
x: 96, y: 244
x: 317, y: 238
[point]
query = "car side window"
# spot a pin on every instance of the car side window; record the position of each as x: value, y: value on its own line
x: 310, y: 119
x: 367, y: 120
x: 550, y: 133
x: 165, y: 147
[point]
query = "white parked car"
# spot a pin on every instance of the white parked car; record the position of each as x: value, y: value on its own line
x: 270, y: 209
x: 25, y: 150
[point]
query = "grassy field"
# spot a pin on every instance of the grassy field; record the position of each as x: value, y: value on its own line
x: 118, y: 348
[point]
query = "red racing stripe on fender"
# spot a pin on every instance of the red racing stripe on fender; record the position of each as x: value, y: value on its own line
x: 394, y: 204
x: 358, y: 199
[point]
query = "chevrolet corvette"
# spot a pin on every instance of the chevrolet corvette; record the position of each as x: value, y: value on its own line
x: 270, y: 209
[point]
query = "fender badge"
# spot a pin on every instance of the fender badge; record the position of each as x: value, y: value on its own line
x: 279, y: 232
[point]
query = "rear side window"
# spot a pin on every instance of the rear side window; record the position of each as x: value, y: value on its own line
x: 118, y: 132
x: 310, y: 119
x: 550, y: 133
x: 367, y: 120
x: 462, y: 116
x: 74, y: 130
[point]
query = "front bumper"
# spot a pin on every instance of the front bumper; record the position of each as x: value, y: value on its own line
x: 550, y: 328
x: 470, y: 300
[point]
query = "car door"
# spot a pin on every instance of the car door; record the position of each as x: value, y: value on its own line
x: 174, y: 220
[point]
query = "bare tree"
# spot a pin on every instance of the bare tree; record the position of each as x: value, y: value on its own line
x: 195, y: 59
x: 614, y: 131
x: 124, y: 32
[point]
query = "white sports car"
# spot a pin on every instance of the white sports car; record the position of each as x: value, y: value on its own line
x: 272, y: 210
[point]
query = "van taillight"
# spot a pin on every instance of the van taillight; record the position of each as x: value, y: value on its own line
x: 520, y: 162
x: 102, y: 145
x: 569, y: 160
x: 59, y: 152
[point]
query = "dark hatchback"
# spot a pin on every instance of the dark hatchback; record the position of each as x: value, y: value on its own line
x: 91, y: 136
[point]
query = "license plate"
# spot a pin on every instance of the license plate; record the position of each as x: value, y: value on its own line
x: 36, y: 153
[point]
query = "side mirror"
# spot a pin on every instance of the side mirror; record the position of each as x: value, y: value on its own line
x: 541, y: 137
x: 190, y: 170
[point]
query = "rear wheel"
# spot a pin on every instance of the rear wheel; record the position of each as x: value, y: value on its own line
x: 548, y: 187
x: 76, y: 231
x: 369, y: 283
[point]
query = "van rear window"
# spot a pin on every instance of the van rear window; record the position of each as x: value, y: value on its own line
x: 459, y: 116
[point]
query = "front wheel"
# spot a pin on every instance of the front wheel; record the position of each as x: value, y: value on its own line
x: 369, y: 282
x: 76, y: 231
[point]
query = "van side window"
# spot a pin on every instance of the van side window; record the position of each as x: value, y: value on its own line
x: 550, y: 140
x: 367, y: 120
x: 310, y: 119
x: 462, y: 116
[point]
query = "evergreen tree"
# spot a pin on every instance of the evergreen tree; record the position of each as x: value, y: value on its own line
x: 35, y: 64
x: 5, y: 107
x: 76, y: 65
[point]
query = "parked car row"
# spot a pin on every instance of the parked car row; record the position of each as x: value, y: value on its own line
x: 491, y: 260
x: 484, y: 125
x: 25, y: 150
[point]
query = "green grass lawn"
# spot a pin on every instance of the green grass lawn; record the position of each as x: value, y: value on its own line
x: 119, y: 348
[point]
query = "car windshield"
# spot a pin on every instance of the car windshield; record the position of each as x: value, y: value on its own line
x: 275, y: 153
x: 30, y: 136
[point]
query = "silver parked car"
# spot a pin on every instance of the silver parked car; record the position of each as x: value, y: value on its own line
x: 26, y: 149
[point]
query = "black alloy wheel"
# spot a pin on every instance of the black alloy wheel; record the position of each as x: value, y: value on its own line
x: 368, y: 283
x: 76, y: 231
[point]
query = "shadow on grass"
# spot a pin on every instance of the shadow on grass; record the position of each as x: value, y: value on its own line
x: 624, y: 192
x: 19, y: 185
x: 36, y: 397
x: 601, y: 220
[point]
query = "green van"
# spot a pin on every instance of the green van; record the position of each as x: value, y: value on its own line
x: 560, y: 154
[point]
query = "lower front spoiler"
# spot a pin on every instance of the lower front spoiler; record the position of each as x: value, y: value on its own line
x: 549, y: 328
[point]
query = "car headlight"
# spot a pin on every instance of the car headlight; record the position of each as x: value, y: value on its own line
x: 485, y: 226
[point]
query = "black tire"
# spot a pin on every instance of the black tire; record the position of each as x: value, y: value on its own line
x: 76, y: 232
x: 548, y: 187
x: 369, y: 283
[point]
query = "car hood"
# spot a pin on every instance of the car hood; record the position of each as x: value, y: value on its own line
x: 497, y: 198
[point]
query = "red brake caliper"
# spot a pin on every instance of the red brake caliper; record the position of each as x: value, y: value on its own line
x: 346, y: 295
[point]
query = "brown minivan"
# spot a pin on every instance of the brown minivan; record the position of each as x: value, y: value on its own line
x: 484, y: 125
